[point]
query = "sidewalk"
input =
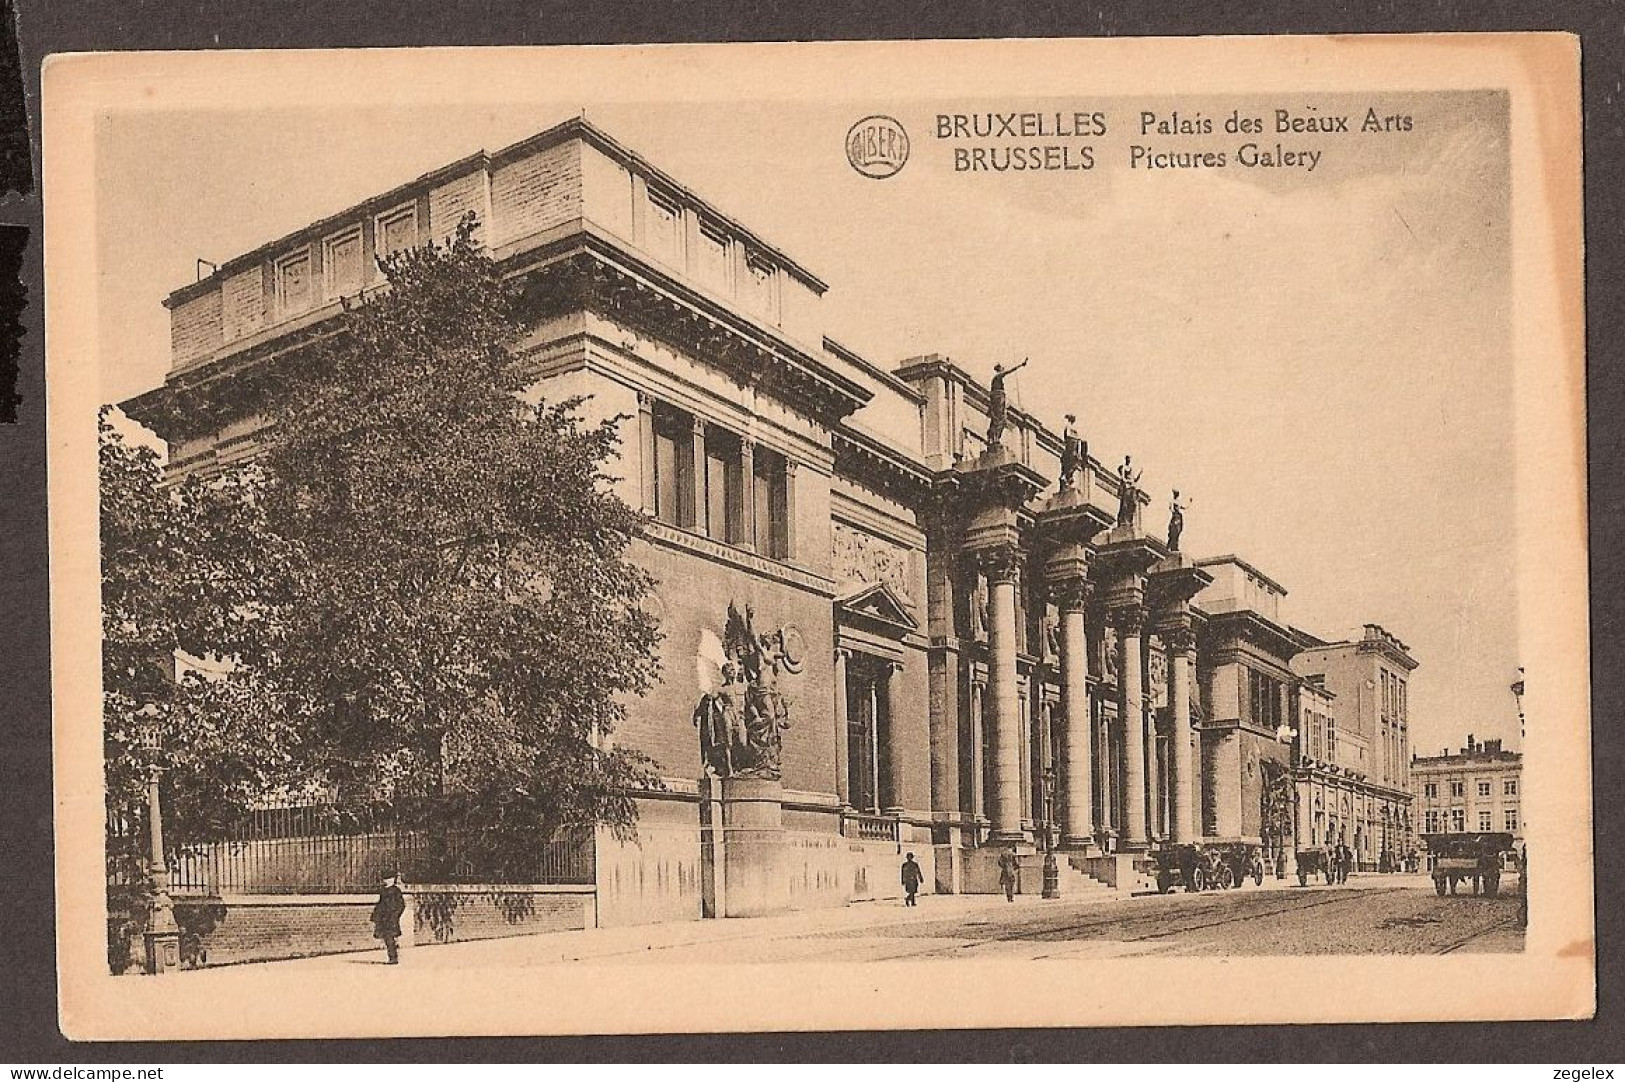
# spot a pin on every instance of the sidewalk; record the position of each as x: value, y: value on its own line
x: 629, y: 941
x: 749, y: 936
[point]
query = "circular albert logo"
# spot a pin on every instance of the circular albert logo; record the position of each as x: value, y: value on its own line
x: 877, y: 147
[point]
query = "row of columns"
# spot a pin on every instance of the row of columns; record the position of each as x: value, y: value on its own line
x: 1078, y: 760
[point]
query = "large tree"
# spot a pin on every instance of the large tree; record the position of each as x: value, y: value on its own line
x: 463, y: 627
x: 189, y: 585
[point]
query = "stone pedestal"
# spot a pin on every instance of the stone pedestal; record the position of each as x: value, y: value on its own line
x: 753, y: 848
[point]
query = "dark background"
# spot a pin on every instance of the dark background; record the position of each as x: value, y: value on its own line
x: 28, y: 1028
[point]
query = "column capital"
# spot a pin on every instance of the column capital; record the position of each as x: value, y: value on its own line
x: 1071, y: 594
x: 843, y: 653
x: 1179, y: 639
x: 646, y: 400
x: 1128, y: 619
x: 1000, y: 563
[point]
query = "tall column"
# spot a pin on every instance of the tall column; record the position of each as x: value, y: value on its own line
x: 697, y: 507
x: 1130, y: 623
x: 841, y: 768
x: 790, y: 509
x: 978, y: 773
x: 891, y: 797
x: 1000, y: 565
x: 646, y: 452
x: 747, y: 500
x: 1077, y: 817
x: 1182, y: 763
x: 1105, y: 784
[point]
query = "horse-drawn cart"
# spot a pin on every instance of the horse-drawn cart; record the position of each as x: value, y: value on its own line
x: 1474, y: 857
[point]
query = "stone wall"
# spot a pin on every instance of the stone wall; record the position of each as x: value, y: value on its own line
x: 257, y: 928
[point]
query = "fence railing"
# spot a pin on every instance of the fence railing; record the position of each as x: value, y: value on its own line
x: 313, y: 850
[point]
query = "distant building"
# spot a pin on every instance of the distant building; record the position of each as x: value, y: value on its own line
x: 1355, y: 782
x: 1477, y: 789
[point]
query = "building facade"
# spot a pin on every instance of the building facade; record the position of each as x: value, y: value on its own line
x: 1476, y: 789
x: 978, y: 643
x: 1357, y: 788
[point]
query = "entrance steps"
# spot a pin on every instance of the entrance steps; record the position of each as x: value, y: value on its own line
x: 1126, y: 873
x: 1081, y: 876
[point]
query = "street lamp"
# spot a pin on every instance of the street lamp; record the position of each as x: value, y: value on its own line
x: 162, y: 937
x: 1517, y: 693
x: 1052, y: 870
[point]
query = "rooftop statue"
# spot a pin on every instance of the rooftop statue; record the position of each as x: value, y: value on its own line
x: 1128, y: 492
x: 998, y: 404
x: 1073, y: 452
x: 1176, y: 521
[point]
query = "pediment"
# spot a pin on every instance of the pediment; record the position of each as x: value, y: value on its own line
x: 879, y: 602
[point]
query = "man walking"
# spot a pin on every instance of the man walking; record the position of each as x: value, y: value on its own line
x: 386, y: 917
x: 911, y: 880
x: 1009, y: 874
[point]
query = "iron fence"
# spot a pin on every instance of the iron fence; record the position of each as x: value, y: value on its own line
x: 318, y: 849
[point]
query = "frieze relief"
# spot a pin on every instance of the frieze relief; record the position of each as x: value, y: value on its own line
x: 863, y: 557
x: 1157, y: 674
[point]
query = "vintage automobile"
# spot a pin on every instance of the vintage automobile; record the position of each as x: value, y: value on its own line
x: 1207, y: 865
x: 1474, y: 856
x: 1314, y: 862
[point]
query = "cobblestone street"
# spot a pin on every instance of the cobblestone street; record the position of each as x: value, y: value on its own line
x: 1373, y: 914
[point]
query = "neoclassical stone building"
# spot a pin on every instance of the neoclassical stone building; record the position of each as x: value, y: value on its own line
x: 973, y: 641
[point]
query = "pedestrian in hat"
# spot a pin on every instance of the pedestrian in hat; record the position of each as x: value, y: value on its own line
x: 386, y: 917
x: 911, y: 880
x: 1009, y: 874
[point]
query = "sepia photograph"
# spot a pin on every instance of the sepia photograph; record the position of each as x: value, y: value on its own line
x: 923, y: 534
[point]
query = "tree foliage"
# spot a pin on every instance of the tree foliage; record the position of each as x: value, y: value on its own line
x: 462, y: 625
x: 188, y: 580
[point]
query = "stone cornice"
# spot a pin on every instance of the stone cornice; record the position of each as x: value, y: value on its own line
x: 586, y: 269
x: 890, y: 472
x: 718, y: 552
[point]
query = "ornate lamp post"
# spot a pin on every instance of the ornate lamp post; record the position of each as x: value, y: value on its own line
x: 163, y: 938
x: 1052, y: 870
x: 1288, y: 867
x: 1517, y: 693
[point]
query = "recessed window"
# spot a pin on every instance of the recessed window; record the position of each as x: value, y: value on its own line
x: 1458, y: 820
x: 342, y: 273
x: 396, y: 230
x: 1458, y: 788
x: 1483, y: 788
x: 771, y: 529
x: 724, y: 488
x: 663, y: 231
x: 760, y: 287
x: 674, y: 465
x: 1509, y: 788
x: 712, y: 260
x: 1484, y: 821
x: 294, y: 291
x: 1509, y: 821
x: 1430, y: 790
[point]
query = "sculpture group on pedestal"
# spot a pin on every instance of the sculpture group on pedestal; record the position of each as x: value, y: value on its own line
x: 742, y: 714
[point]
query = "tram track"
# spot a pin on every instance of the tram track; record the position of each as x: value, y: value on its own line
x: 1167, y: 924
x: 1480, y: 933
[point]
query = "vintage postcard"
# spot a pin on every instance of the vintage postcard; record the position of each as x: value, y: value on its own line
x: 818, y: 536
